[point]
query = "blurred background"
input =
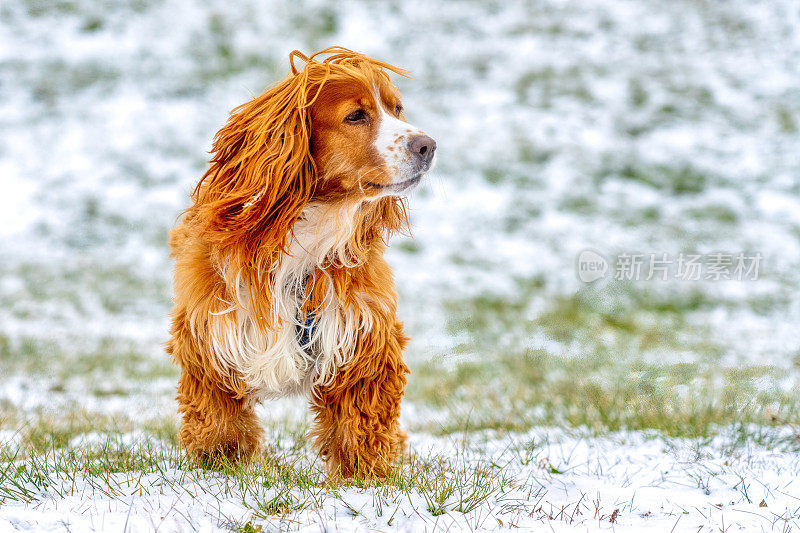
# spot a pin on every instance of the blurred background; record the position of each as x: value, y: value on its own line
x: 625, y: 127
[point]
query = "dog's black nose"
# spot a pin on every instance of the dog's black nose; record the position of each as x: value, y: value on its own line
x: 423, y: 148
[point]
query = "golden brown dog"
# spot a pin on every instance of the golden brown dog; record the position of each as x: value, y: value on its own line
x: 280, y: 282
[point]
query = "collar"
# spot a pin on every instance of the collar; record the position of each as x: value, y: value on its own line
x: 308, y: 324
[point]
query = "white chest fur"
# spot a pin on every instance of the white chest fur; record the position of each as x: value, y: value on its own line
x: 273, y: 362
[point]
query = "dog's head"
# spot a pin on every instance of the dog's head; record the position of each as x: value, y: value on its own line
x: 332, y: 131
x: 361, y: 143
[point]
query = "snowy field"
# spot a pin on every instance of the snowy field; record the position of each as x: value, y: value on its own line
x: 536, y: 401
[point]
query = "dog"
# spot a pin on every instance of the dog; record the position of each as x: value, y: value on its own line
x: 281, y: 287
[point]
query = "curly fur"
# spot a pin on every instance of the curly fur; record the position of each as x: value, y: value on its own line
x: 291, y: 220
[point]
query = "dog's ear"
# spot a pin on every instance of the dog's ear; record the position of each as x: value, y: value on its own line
x: 262, y: 173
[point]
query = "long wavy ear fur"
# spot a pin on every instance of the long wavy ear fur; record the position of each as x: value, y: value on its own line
x: 262, y: 173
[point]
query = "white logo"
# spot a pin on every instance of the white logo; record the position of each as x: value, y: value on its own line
x: 591, y: 266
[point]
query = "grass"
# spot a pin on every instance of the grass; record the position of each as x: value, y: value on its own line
x: 612, y: 376
x: 112, y: 364
x: 608, y: 364
x: 43, y: 429
x: 625, y: 319
x: 501, y: 385
x: 117, y: 287
x: 514, y: 392
x: 47, y: 458
x: 285, y: 486
x: 672, y: 180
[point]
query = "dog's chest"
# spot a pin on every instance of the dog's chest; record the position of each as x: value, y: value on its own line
x: 314, y: 331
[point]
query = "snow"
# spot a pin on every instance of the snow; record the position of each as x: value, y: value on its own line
x: 538, y: 108
x: 105, y: 130
x: 553, y: 480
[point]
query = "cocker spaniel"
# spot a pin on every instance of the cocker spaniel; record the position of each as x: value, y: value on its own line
x: 280, y: 282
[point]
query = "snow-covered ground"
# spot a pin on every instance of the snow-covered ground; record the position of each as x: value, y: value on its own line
x: 545, y: 480
x: 625, y: 127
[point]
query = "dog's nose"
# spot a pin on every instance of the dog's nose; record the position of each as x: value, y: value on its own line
x: 423, y: 148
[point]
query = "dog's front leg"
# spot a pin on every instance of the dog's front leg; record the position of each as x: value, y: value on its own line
x: 356, y: 415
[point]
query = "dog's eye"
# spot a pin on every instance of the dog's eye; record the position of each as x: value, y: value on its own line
x: 398, y: 109
x: 357, y: 116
